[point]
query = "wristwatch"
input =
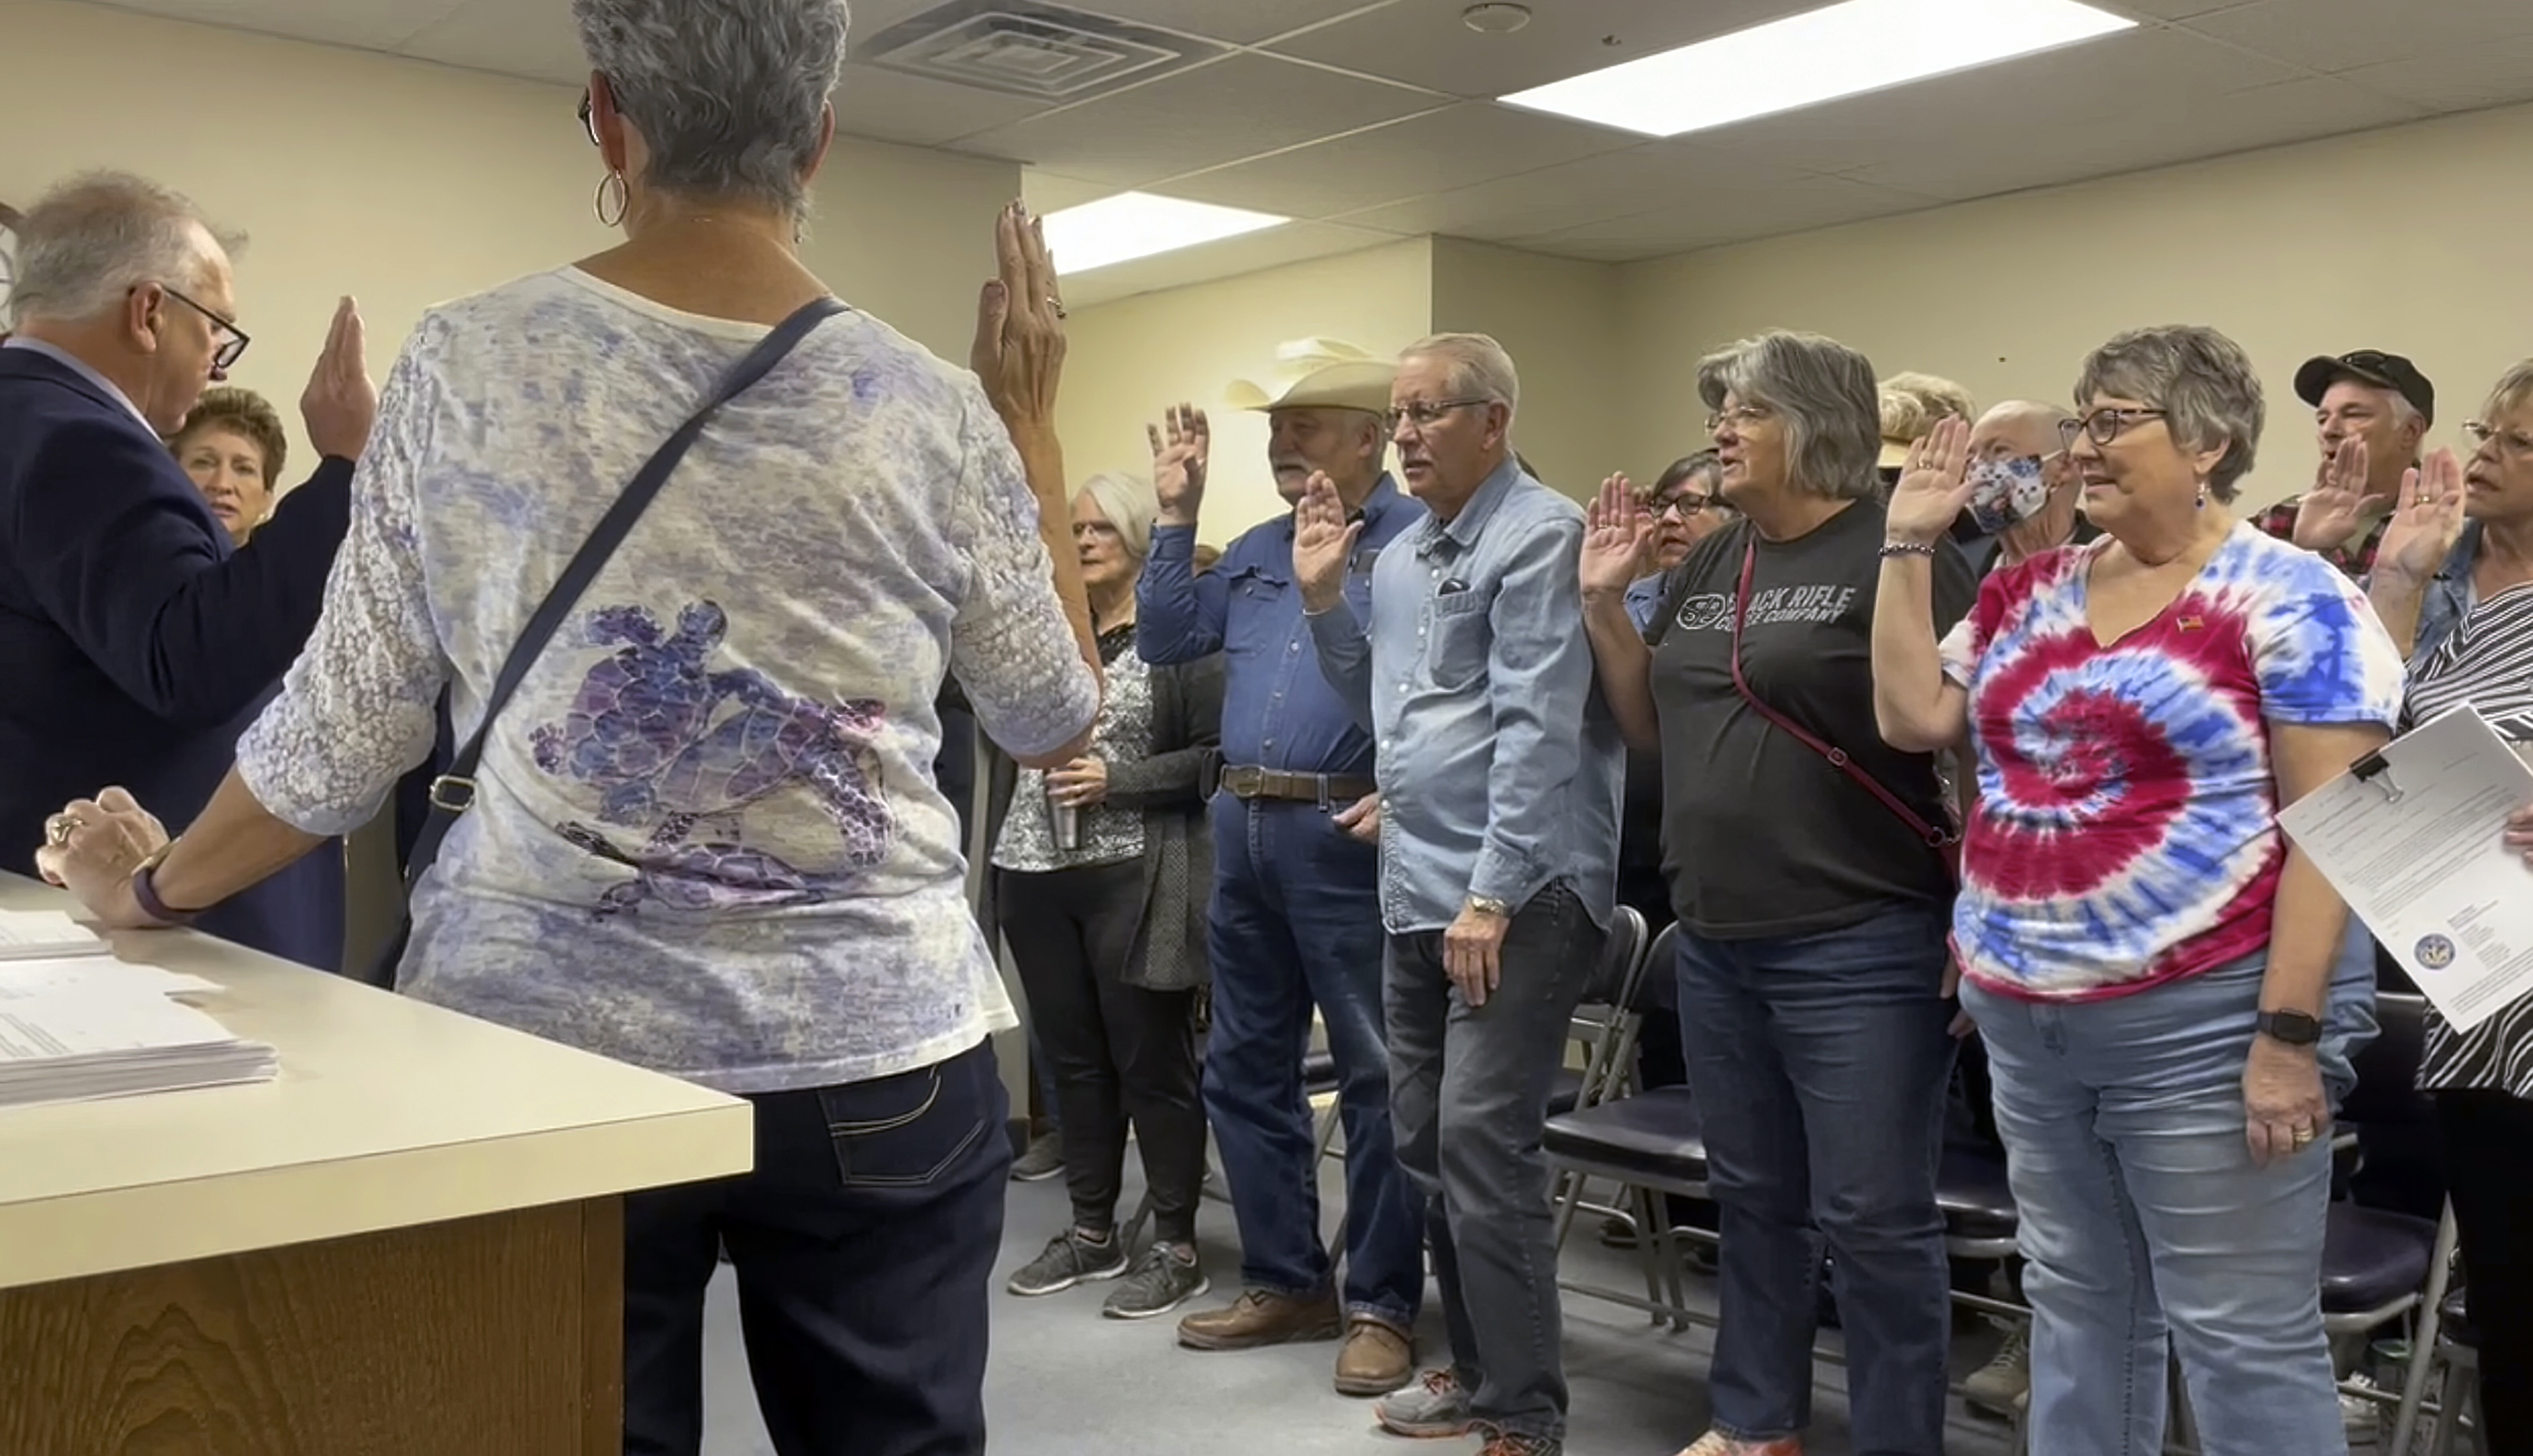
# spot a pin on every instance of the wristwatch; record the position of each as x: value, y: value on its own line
x: 1487, y: 904
x: 2290, y: 1027
x: 145, y: 890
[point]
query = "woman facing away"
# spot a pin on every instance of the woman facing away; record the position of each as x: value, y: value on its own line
x: 2157, y: 974
x: 704, y: 835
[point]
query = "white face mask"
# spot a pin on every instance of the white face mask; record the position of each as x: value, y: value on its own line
x: 2007, y: 493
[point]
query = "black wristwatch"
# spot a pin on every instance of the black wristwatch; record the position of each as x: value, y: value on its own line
x: 2290, y: 1027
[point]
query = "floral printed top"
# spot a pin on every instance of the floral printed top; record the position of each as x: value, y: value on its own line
x: 706, y: 838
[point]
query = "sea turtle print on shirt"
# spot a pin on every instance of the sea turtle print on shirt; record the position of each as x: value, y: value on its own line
x: 670, y: 742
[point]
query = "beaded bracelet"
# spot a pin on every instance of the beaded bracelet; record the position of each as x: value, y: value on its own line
x: 1892, y: 548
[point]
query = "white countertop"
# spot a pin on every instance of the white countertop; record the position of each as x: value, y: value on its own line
x: 388, y: 1114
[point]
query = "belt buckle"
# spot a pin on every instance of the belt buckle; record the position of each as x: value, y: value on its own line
x: 1326, y: 807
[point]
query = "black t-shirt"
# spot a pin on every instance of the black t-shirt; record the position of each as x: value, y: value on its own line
x: 1762, y: 836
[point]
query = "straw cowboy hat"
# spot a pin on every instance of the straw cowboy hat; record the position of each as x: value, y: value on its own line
x: 1320, y: 374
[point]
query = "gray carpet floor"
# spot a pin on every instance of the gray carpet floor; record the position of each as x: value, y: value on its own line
x: 1064, y: 1381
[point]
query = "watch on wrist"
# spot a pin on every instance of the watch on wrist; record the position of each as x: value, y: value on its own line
x: 2289, y: 1028
x: 145, y: 890
x: 1487, y: 904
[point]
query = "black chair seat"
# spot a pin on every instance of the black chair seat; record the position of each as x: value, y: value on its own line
x: 1320, y: 1071
x: 2371, y: 1257
x: 1657, y: 1133
x: 1972, y: 1189
x: 2455, y: 1323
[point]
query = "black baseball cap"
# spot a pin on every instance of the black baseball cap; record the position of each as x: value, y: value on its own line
x: 2370, y: 367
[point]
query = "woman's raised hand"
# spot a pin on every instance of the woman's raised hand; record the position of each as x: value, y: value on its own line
x: 1618, y: 536
x: 1019, y: 351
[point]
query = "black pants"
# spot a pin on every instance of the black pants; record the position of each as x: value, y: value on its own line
x: 2489, y: 1146
x: 1120, y: 1054
x: 863, y: 1243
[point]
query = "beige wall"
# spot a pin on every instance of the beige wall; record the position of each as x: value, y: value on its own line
x: 1128, y: 359
x: 2411, y: 239
x: 408, y: 183
x: 1561, y: 320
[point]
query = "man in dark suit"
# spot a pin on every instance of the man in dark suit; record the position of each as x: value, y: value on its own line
x: 136, y: 641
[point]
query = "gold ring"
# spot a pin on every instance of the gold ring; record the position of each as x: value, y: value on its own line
x: 2303, y: 1136
x: 59, y: 829
x: 1056, y: 304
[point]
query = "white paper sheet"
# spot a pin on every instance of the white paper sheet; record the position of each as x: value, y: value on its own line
x: 46, y: 935
x: 2416, y: 848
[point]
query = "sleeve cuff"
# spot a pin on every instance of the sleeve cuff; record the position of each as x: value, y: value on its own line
x: 1177, y: 543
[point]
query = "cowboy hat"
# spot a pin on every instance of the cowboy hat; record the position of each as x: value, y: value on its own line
x: 1320, y: 374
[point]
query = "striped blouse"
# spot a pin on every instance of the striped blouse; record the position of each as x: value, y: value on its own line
x: 2488, y: 663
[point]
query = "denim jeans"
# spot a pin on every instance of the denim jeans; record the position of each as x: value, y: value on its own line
x: 1820, y: 1064
x: 2145, y: 1228
x: 863, y: 1242
x: 1295, y: 923
x: 1468, y: 1088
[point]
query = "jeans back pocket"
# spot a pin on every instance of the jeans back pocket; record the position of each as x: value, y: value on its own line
x: 908, y: 1130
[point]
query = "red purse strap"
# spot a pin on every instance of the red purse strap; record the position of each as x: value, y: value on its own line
x: 1943, y: 841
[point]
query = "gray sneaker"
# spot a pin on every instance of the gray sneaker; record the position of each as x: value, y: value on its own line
x: 1169, y: 1276
x: 1070, y: 1259
x: 1436, y: 1405
x: 1041, y: 1160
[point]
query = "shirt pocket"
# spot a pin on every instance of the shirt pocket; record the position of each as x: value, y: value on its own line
x: 1255, y: 619
x: 1458, y: 639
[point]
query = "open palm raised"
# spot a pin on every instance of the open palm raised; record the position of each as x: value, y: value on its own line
x: 1323, y: 541
x: 1617, y: 538
x: 2427, y: 522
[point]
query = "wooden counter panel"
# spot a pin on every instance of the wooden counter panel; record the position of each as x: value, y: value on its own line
x: 500, y: 1335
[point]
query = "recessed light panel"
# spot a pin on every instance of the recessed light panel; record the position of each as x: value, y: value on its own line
x: 1804, y: 60
x: 1140, y: 224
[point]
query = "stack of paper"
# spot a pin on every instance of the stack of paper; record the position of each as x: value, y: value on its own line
x: 42, y: 935
x: 88, y: 1027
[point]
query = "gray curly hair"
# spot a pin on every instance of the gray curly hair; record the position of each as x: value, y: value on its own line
x: 729, y: 94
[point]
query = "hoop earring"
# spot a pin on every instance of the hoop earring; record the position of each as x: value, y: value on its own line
x: 623, y: 200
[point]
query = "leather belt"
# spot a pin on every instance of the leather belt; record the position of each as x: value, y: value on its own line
x: 1330, y: 790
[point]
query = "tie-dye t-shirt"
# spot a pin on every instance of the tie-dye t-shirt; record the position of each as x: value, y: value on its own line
x: 705, y: 837
x: 2126, y: 827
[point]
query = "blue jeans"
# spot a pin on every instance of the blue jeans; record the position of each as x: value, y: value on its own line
x: 1470, y: 1086
x: 1820, y: 1064
x: 2146, y: 1229
x: 863, y: 1243
x: 1295, y: 922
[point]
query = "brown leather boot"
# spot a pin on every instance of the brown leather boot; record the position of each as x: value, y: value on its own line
x: 1375, y: 1359
x: 1259, y: 1318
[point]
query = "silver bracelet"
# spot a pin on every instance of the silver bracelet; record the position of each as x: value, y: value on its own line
x: 1892, y: 548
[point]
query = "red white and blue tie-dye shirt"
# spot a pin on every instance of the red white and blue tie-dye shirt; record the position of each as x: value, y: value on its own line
x: 2126, y: 828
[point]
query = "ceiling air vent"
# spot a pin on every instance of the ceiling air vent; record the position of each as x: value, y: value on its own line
x: 1044, y: 51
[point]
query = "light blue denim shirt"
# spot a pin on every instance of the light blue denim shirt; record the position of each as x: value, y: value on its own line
x: 1500, y: 765
x: 2447, y: 599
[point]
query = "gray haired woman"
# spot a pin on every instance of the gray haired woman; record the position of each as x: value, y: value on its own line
x: 1813, y: 893
x: 2159, y: 977
x: 704, y: 834
x: 1102, y: 873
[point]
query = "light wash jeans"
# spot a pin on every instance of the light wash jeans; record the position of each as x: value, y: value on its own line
x: 2146, y: 1230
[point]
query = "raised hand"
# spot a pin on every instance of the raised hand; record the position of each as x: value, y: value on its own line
x: 341, y: 404
x: 1323, y: 542
x: 2425, y: 524
x: 2330, y: 515
x: 1019, y: 350
x: 1181, y: 445
x: 1618, y: 538
x: 1935, y: 486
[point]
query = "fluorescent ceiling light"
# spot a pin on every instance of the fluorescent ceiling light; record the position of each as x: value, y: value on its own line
x: 1804, y: 60
x: 1139, y: 224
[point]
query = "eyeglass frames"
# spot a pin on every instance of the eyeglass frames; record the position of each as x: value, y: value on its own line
x: 228, y: 341
x: 1424, y: 412
x: 2104, y: 425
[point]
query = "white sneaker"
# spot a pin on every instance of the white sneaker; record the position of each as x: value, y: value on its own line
x: 1995, y: 1387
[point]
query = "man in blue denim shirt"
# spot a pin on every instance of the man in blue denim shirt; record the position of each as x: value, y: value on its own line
x: 1294, y: 921
x: 1499, y: 770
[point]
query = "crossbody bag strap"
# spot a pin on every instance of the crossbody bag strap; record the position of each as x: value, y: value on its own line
x: 1942, y: 841
x: 454, y: 792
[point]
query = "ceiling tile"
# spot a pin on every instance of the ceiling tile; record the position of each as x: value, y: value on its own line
x: 2494, y: 74
x: 1239, y: 22
x: 1460, y: 145
x: 1726, y: 215
x: 1570, y: 194
x: 2039, y: 106
x: 1424, y: 42
x: 892, y: 107
x: 2358, y: 33
x: 537, y: 41
x: 368, y: 24
x: 1051, y: 192
x: 1238, y: 107
x: 1247, y: 254
x: 2167, y: 10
